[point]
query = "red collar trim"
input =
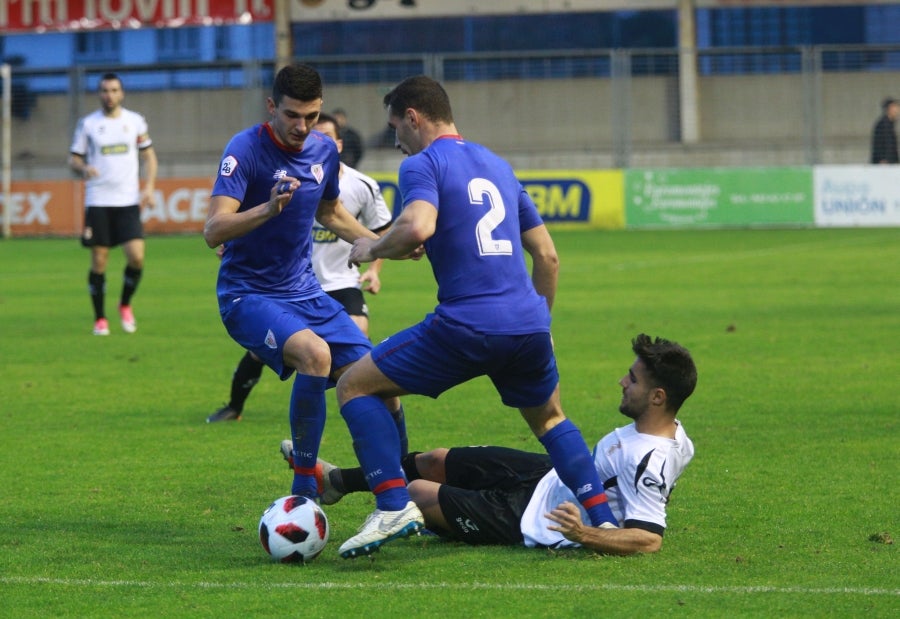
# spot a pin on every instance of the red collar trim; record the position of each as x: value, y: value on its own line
x: 278, y: 142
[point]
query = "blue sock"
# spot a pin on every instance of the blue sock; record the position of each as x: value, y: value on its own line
x: 400, y: 421
x: 377, y: 448
x: 307, y: 417
x: 575, y: 467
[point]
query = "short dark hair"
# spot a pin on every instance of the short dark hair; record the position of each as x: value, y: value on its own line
x: 328, y: 118
x: 297, y: 81
x: 670, y: 367
x: 423, y: 94
x: 110, y: 76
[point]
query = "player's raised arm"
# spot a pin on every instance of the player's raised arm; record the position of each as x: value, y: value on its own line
x: 332, y: 215
x: 413, y: 227
x: 224, y: 222
x: 545, y: 261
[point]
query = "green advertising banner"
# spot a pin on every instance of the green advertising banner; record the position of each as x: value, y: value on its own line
x: 718, y: 197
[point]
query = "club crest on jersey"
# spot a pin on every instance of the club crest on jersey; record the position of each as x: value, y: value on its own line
x: 229, y: 165
x: 270, y: 340
x: 318, y: 172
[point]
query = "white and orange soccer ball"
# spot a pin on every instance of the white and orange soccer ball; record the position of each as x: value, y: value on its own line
x: 293, y: 529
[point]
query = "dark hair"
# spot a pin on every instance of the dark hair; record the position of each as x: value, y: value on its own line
x: 109, y: 76
x: 422, y: 94
x: 669, y: 365
x: 297, y: 81
x: 328, y: 118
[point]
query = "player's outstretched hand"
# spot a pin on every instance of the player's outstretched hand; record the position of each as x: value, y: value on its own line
x: 147, y: 197
x: 416, y: 254
x: 282, y: 192
x: 370, y: 281
x: 568, y: 521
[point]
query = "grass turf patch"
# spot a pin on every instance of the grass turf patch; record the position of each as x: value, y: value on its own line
x: 118, y: 500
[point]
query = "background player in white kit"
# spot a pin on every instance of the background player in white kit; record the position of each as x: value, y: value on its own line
x: 108, y: 149
x: 362, y: 197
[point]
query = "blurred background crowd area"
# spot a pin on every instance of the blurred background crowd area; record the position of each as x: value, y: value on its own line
x: 631, y: 84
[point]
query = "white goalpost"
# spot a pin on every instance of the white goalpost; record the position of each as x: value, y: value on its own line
x: 6, y: 148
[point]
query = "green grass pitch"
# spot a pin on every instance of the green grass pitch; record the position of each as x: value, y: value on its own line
x: 117, y: 500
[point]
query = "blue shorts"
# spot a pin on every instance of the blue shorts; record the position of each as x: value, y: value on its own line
x: 436, y: 354
x: 262, y: 325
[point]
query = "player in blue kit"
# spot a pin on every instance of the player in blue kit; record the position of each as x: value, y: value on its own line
x: 275, y: 179
x: 475, y: 220
x: 361, y: 196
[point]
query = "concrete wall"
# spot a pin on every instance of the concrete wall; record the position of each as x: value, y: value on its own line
x: 537, y: 124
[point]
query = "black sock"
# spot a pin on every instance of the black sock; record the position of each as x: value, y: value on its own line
x: 349, y: 480
x: 353, y: 480
x: 400, y: 421
x: 409, y: 466
x: 97, y: 290
x: 130, y: 281
x: 245, y: 377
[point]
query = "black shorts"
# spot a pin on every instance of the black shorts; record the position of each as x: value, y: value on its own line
x: 109, y: 226
x: 487, y: 491
x: 352, y: 300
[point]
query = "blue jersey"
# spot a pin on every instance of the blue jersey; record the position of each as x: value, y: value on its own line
x: 476, y: 251
x: 274, y: 259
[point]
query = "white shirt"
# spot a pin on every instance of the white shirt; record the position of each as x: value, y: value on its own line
x: 111, y: 145
x: 360, y: 195
x: 639, y: 472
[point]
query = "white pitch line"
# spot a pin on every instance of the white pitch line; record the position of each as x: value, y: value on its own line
x: 82, y: 582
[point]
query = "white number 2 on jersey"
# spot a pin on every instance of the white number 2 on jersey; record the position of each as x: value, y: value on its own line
x: 479, y: 188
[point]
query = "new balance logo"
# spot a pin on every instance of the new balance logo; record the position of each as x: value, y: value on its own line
x: 584, y: 489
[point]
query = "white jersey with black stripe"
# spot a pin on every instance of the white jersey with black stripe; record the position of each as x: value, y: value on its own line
x: 638, y: 471
x: 111, y: 144
x: 362, y: 197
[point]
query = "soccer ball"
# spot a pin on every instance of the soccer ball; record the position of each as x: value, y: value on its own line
x: 293, y: 529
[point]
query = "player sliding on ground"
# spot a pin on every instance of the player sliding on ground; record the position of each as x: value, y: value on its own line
x: 497, y: 495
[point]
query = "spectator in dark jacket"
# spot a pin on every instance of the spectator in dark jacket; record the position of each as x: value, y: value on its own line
x: 353, y: 144
x: 884, y: 138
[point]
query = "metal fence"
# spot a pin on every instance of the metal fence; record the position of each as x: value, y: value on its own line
x: 586, y: 108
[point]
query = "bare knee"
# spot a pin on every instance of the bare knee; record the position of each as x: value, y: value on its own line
x: 393, y: 405
x: 308, y: 354
x: 99, y: 258
x: 134, y: 253
x: 425, y: 495
x: 363, y: 378
x: 541, y: 419
x: 431, y: 465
